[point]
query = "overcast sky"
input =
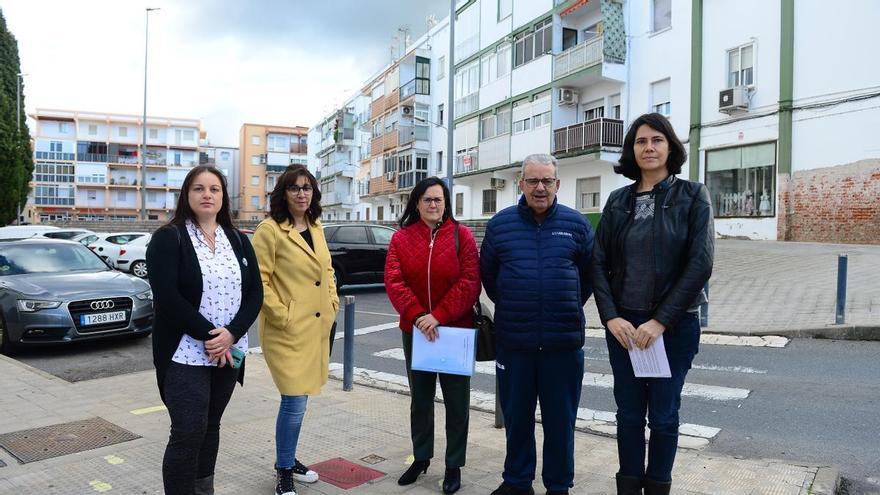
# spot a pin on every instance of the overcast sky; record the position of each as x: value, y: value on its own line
x: 226, y: 62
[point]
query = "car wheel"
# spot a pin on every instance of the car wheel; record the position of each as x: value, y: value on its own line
x: 6, y: 347
x: 139, y: 269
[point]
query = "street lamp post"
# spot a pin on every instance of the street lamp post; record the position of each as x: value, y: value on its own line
x: 18, y: 80
x: 450, y: 110
x: 143, y: 185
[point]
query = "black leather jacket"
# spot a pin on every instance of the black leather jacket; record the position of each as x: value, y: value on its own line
x: 684, y: 248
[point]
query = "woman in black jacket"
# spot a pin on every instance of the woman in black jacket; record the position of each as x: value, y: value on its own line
x: 206, y: 293
x: 652, y: 257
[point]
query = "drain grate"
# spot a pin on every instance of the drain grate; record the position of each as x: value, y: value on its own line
x: 344, y: 474
x: 66, y: 438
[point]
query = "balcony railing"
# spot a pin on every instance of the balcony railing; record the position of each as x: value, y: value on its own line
x: 391, y: 140
x: 466, y: 104
x: 54, y: 155
x: 587, y: 135
x: 406, y: 134
x: 418, y: 85
x: 299, y: 148
x: 578, y: 57
x: 468, y: 162
x: 92, y: 157
x: 125, y: 159
x: 381, y: 184
x: 276, y: 168
x: 155, y: 161
x: 377, y: 107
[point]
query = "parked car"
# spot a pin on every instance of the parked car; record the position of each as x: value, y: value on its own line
x: 133, y: 257
x: 54, y: 291
x: 108, y: 247
x: 66, y: 234
x: 24, y: 231
x: 89, y: 238
x: 358, y: 252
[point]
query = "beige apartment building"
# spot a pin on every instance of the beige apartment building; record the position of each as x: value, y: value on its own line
x: 266, y: 151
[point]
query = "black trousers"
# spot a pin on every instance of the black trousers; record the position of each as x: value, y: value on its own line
x: 196, y: 397
x: 456, y: 398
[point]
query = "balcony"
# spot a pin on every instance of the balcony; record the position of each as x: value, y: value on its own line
x: 382, y: 184
x: 377, y: 107
x: 391, y: 140
x: 299, y: 148
x: 467, y: 162
x: 416, y: 86
x: 276, y: 169
x: 123, y: 160
x: 579, y: 57
x: 587, y: 136
x: 54, y: 155
x: 406, y: 135
x: 376, y: 146
x: 92, y: 157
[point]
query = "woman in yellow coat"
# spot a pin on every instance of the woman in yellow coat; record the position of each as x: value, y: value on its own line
x: 299, y: 308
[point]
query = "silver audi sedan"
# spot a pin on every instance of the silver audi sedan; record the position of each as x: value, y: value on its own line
x: 54, y: 291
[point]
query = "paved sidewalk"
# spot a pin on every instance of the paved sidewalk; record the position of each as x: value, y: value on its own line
x: 351, y: 425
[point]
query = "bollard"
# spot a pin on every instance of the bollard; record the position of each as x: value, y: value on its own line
x: 841, y: 289
x: 348, y: 357
x: 704, y: 308
x: 499, y: 418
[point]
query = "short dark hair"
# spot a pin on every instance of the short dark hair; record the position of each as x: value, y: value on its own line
x: 411, y: 212
x: 278, y: 209
x: 183, y: 212
x: 627, y: 165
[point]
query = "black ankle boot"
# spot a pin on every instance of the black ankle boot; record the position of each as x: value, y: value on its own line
x: 629, y: 485
x: 657, y: 487
x: 452, y: 480
x: 412, y: 474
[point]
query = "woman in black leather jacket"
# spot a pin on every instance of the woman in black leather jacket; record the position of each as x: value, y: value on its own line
x: 652, y: 257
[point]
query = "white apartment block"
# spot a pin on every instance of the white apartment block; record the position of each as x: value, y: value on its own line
x: 225, y: 159
x: 87, y: 165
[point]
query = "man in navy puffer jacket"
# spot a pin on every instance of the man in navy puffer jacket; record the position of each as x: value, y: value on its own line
x: 534, y: 264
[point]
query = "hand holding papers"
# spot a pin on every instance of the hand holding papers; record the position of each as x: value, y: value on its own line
x: 651, y: 361
x: 453, y: 352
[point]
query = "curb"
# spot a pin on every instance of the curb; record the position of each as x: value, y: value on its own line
x: 832, y: 332
x: 826, y: 482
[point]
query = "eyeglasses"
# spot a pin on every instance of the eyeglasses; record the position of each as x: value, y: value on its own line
x: 547, y: 181
x: 295, y: 189
x: 428, y: 201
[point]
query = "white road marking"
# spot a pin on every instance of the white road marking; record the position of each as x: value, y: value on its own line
x: 732, y: 369
x: 717, y: 339
x: 363, y: 331
x: 601, y: 422
x: 604, y: 380
x: 377, y: 314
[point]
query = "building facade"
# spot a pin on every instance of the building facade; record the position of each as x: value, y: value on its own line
x: 87, y: 165
x: 265, y: 153
x: 227, y: 160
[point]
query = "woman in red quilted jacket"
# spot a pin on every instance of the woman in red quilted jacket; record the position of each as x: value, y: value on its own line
x: 431, y: 285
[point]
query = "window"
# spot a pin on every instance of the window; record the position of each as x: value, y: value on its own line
x: 423, y: 76
x: 588, y: 194
x: 53, y: 195
x: 154, y: 133
x: 614, y: 105
x: 93, y: 130
x: 255, y: 180
x: 528, y: 46
x: 439, y: 162
x: 594, y: 110
x: 467, y: 84
x: 660, y: 97
x: 255, y: 159
x: 255, y: 140
x: 151, y: 196
x: 63, y: 127
x: 523, y: 125
x: 459, y: 204
x: 541, y: 120
x: 502, y: 120
x: 123, y: 132
x: 441, y: 67
x: 662, y: 15
x: 188, y: 135
x: 740, y: 66
x: 351, y: 235
x: 91, y: 194
x: 487, y: 126
x: 382, y: 235
x: 489, y: 200
x: 120, y: 195
x: 53, y: 172
x: 742, y: 180
x: 255, y: 201
x: 224, y: 155
x: 505, y: 7
x: 389, y: 164
x: 494, y: 65
x: 440, y: 114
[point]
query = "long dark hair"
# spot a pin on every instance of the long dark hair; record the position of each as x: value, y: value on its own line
x: 627, y: 165
x: 411, y: 212
x: 183, y: 212
x: 278, y: 209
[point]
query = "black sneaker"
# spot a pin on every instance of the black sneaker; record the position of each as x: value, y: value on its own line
x: 284, y: 482
x: 302, y: 473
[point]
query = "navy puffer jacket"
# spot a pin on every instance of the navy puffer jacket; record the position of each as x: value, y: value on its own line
x: 538, y: 276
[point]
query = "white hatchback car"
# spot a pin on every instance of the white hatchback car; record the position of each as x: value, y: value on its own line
x: 108, y: 247
x: 133, y: 257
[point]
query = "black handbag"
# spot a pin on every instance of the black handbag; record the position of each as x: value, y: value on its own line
x: 485, y: 328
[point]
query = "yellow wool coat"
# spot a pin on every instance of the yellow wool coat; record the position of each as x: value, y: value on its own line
x: 299, y: 306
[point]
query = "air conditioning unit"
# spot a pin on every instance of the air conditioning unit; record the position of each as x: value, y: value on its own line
x: 567, y: 96
x: 406, y: 110
x: 496, y: 183
x: 733, y: 99
x: 389, y: 176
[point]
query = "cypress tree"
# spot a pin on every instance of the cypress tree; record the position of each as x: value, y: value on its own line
x: 16, y: 158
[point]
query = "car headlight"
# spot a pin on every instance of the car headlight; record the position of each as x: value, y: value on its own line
x: 145, y: 296
x: 31, y: 305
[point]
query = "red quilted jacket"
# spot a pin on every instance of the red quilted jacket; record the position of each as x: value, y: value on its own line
x: 416, y: 266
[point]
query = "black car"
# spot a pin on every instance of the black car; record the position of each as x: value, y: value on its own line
x: 358, y: 252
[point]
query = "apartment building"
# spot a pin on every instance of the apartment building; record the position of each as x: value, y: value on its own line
x: 227, y: 160
x: 87, y: 165
x: 265, y: 153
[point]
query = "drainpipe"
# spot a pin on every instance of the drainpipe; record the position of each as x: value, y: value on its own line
x: 786, y: 85
x: 696, y: 87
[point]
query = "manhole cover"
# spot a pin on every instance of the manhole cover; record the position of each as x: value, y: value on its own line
x: 66, y: 438
x: 373, y: 459
x: 344, y: 474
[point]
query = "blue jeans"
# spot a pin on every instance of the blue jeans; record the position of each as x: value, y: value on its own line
x: 287, y: 428
x: 660, y: 398
x: 554, y: 378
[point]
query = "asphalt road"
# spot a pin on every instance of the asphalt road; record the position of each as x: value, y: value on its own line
x: 814, y: 400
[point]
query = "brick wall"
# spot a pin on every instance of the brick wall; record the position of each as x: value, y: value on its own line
x: 836, y: 204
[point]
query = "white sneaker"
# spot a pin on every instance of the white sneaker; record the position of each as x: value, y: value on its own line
x: 302, y: 473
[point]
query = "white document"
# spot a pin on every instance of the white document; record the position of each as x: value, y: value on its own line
x: 453, y: 352
x: 650, y: 362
